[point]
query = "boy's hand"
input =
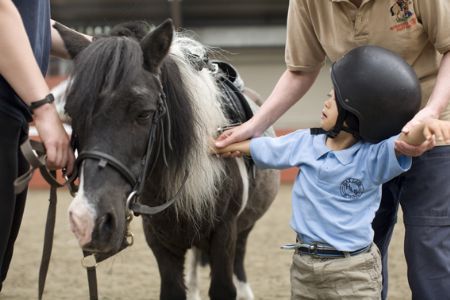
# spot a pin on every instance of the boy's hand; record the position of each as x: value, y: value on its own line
x: 233, y: 150
x: 223, y: 152
x: 413, y: 150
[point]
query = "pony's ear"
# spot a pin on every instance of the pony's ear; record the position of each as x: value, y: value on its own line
x: 156, y: 45
x: 73, y: 41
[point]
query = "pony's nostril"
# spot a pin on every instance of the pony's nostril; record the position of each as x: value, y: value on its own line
x: 106, y: 223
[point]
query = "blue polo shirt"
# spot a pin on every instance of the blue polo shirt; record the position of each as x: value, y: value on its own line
x: 36, y: 19
x: 336, y: 193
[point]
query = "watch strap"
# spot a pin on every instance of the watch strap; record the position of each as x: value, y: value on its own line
x: 35, y: 104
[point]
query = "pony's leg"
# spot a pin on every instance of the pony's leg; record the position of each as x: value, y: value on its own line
x: 223, y: 245
x: 244, y: 291
x: 192, y: 280
x: 171, y: 272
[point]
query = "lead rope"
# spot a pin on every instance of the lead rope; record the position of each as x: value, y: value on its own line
x: 48, y: 239
x: 34, y: 152
x: 89, y: 262
x: 92, y: 278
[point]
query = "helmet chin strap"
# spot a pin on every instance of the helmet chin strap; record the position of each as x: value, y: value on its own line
x: 338, y: 127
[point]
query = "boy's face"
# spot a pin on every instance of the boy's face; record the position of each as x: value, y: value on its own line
x: 329, y: 113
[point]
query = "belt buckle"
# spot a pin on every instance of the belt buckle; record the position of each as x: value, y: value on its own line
x: 313, y: 250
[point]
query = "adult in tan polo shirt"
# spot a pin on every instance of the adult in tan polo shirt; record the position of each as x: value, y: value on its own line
x: 419, y: 31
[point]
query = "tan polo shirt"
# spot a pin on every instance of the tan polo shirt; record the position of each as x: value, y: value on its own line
x: 418, y: 30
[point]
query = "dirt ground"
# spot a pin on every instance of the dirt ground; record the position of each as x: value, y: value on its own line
x: 133, y: 273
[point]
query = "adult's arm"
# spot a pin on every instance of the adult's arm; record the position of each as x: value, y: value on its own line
x: 19, y: 67
x: 291, y: 87
x: 436, y: 104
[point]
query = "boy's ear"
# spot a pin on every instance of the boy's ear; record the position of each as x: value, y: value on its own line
x: 73, y: 41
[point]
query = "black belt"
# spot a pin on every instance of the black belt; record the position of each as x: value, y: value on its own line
x: 319, y: 251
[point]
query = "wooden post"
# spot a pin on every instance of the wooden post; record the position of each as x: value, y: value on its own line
x: 175, y: 12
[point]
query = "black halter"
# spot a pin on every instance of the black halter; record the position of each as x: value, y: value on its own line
x: 137, y: 182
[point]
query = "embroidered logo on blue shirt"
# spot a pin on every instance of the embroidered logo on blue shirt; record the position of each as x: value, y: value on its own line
x: 352, y: 188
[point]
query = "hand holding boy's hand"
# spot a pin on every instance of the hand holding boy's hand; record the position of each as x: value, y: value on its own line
x: 419, y: 119
x: 239, y: 133
x: 438, y: 130
x: 423, y: 115
x: 226, y: 141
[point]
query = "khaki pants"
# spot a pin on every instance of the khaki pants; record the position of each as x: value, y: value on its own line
x: 352, y: 277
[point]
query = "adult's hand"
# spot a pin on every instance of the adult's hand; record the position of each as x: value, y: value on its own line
x: 54, y: 137
x: 239, y: 133
x: 424, y: 114
x: 416, y: 150
x: 438, y: 130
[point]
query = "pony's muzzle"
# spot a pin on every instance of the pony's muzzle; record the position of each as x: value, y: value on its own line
x: 81, y: 228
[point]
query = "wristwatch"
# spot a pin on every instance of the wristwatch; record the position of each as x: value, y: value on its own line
x: 35, y: 104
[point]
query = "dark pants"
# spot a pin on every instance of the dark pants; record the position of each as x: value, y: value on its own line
x: 424, y: 195
x: 12, y: 163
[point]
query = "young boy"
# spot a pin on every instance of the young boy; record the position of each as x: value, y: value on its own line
x: 343, y: 165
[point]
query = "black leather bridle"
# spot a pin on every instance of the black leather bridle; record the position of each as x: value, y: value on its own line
x: 137, y: 182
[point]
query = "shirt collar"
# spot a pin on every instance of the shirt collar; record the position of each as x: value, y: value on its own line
x: 344, y: 156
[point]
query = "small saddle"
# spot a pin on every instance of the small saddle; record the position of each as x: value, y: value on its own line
x: 234, y: 103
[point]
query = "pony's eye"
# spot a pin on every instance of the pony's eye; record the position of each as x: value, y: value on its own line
x: 144, y: 116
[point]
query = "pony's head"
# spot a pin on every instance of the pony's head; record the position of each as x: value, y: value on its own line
x: 114, y: 99
x: 143, y: 116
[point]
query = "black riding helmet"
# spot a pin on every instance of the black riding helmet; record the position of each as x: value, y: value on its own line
x: 377, y: 87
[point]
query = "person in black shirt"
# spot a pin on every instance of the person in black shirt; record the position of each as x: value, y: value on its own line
x: 26, y: 39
